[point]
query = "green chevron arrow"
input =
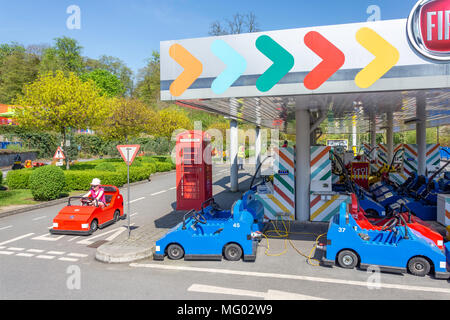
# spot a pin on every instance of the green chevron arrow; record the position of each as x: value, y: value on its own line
x: 283, y: 61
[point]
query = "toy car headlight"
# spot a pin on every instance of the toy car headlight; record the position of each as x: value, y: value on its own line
x: 85, y: 226
x: 55, y: 225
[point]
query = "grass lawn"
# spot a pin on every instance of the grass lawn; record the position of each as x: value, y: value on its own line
x: 24, y: 197
x: 16, y: 197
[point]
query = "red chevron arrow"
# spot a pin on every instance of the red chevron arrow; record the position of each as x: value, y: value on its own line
x: 333, y: 60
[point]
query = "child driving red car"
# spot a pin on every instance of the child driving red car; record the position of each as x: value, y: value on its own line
x: 97, y: 194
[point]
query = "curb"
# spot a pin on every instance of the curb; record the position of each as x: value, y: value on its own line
x: 123, y: 250
x: 65, y: 199
x: 108, y: 257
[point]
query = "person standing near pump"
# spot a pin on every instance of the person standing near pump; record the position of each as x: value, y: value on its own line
x: 241, y: 157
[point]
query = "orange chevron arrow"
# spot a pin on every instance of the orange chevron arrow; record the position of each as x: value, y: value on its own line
x: 386, y: 56
x: 193, y: 68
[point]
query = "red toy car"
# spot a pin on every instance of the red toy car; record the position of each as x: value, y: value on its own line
x: 85, y: 219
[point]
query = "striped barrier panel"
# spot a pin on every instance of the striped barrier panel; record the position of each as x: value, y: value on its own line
x: 433, y: 157
x: 382, y: 155
x: 321, y: 179
x: 281, y: 203
x: 410, y: 161
x: 324, y: 207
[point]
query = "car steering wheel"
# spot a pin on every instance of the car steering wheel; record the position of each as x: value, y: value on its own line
x: 88, y: 200
x: 200, y: 218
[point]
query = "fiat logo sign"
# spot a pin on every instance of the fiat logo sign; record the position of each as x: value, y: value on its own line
x: 429, y: 29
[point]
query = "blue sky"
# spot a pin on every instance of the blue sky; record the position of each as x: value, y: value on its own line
x: 131, y: 30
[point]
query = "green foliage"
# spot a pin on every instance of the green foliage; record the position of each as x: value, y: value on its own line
x: 105, y: 166
x: 17, y: 69
x: 18, y: 179
x: 163, y: 166
x: 44, y: 143
x: 108, y: 83
x: 127, y: 118
x: 65, y: 56
x: 81, y: 180
x: 148, y: 84
x: 47, y: 183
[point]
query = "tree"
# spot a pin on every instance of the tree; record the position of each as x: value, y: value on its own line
x: 148, y: 85
x: 65, y: 55
x: 108, y: 83
x: 118, y: 68
x: 55, y: 102
x: 240, y: 23
x: 128, y: 118
x: 17, y: 69
x: 171, y: 119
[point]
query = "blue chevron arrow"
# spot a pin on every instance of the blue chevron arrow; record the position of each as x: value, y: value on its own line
x: 236, y: 66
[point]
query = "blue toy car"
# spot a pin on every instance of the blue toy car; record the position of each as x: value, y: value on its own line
x: 212, y: 233
x: 393, y: 248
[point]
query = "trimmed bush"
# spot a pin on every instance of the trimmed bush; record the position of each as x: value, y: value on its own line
x: 105, y: 166
x: 163, y: 166
x: 47, y: 183
x: 81, y: 180
x: 18, y: 179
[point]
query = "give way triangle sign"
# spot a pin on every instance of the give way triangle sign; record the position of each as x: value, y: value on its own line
x: 128, y: 152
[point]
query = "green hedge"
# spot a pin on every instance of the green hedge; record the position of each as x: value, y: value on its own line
x: 81, y: 180
x: 105, y: 166
x: 80, y: 175
x: 163, y: 166
x: 47, y: 183
x: 18, y: 179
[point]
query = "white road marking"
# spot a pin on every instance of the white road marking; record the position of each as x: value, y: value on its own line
x: 35, y: 250
x: 39, y: 218
x: 16, y: 249
x: 117, y: 231
x: 269, y: 295
x: 58, y: 253
x: 26, y: 255
x: 43, y: 256
x: 77, y: 255
x: 68, y: 259
x: 132, y: 215
x: 7, y: 227
x: 291, y: 277
x: 6, y: 252
x: 159, y: 192
x: 138, y: 199
x: 73, y: 238
x: 47, y: 237
x: 173, y: 188
x: 17, y: 238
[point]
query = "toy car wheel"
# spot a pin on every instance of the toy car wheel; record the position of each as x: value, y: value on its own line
x: 175, y: 252
x: 116, y: 216
x: 232, y: 252
x: 94, y: 225
x: 347, y: 259
x: 419, y: 266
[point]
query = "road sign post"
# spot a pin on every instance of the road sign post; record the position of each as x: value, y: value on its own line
x: 128, y: 153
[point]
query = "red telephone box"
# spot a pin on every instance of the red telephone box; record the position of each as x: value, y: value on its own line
x: 194, y: 169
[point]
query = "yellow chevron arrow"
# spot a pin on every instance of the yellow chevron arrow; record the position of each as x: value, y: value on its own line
x: 386, y: 56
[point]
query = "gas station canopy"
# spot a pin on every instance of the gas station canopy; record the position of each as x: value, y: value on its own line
x: 347, y: 72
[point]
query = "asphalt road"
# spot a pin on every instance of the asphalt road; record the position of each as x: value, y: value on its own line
x: 37, y: 265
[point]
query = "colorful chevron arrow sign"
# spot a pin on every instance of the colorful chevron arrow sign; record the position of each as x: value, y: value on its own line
x: 240, y: 61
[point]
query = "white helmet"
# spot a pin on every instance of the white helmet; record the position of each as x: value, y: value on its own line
x: 95, y: 182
